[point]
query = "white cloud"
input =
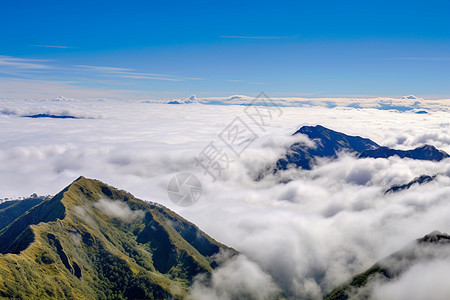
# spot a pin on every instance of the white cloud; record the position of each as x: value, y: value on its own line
x: 309, y: 235
x: 194, y: 78
x: 427, y: 280
x: 52, y: 46
x: 104, y: 69
x: 118, y: 209
x: 408, y: 103
x: 22, y: 63
x: 149, y: 77
x: 236, y: 278
x: 128, y: 73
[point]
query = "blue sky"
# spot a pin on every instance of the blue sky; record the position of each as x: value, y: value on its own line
x: 165, y: 49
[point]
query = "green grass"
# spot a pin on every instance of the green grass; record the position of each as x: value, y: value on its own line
x: 79, y: 252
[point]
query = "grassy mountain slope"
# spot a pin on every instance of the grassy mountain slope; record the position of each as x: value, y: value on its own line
x: 92, y: 241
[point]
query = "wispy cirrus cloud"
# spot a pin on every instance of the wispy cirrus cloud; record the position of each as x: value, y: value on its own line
x: 104, y: 69
x: 29, y: 88
x: 128, y: 73
x: 52, y: 46
x: 23, y: 63
x: 242, y: 81
x: 266, y: 37
x: 34, y: 78
x: 194, y: 78
x: 421, y: 58
x: 150, y: 77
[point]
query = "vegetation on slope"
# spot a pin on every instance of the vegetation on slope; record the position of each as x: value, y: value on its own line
x: 92, y: 241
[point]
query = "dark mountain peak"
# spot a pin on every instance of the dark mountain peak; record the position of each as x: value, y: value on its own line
x: 430, y: 152
x: 427, y: 147
x: 329, y: 143
x: 435, y: 237
x: 333, y: 141
x: 51, y: 116
x: 418, y: 180
x: 426, y: 152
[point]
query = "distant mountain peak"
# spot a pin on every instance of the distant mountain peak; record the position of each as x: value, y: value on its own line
x: 426, y: 152
x: 411, y: 97
x: 329, y: 143
x: 337, y: 140
x: 418, y: 180
x: 192, y: 99
x: 435, y: 237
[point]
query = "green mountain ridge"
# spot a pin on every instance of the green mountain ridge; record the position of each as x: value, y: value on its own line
x: 92, y: 241
x: 10, y: 210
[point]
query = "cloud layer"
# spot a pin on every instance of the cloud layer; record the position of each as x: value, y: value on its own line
x: 423, y: 281
x: 308, y: 235
x: 237, y: 278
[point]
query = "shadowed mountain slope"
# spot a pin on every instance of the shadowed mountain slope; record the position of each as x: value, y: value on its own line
x: 426, y: 152
x: 330, y: 143
x: 10, y: 210
x: 416, y: 181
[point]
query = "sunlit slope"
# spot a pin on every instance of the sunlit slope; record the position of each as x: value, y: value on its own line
x: 93, y: 241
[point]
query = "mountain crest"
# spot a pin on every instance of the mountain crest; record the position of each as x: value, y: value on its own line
x: 93, y: 241
x: 329, y: 143
x: 435, y: 237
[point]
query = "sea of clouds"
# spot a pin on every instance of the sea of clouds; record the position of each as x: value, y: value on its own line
x: 304, y: 236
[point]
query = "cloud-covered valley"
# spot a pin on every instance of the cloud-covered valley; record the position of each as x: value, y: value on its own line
x: 308, y: 235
